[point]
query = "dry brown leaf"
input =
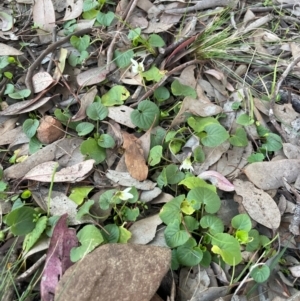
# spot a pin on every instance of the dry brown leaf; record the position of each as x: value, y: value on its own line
x: 134, y: 157
x: 143, y: 231
x: 43, y: 172
x: 92, y: 76
x: 125, y: 179
x: 44, y: 16
x: 258, y: 204
x: 41, y: 81
x: 8, y: 50
x: 85, y: 101
x: 21, y: 169
x: 73, y: 10
x: 268, y: 175
x: 60, y: 67
x: 121, y: 114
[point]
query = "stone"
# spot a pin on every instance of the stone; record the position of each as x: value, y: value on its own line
x: 50, y: 130
x: 113, y: 272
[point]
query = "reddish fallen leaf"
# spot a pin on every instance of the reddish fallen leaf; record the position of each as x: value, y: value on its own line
x: 134, y: 157
x: 58, y: 257
x: 217, y: 180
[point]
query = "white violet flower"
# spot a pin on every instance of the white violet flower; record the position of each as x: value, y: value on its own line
x: 125, y: 194
x: 137, y: 67
x: 187, y: 164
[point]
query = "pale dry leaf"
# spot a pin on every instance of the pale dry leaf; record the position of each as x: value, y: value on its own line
x: 7, y: 21
x: 21, y: 169
x: 196, y: 107
x: 41, y: 81
x: 217, y: 180
x: 75, y: 173
x: 234, y: 160
x: 125, y: 179
x: 212, y: 155
x: 92, y: 76
x: 85, y: 101
x: 258, y: 204
x: 134, y: 157
x: 148, y: 195
x: 268, y: 175
x: 291, y: 151
x: 8, y: 50
x: 44, y: 17
x: 163, y: 198
x: 60, y: 66
x: 121, y: 114
x: 215, y: 73
x: 7, y: 124
x: 143, y: 231
x: 73, y: 10
x: 25, y: 106
x: 61, y: 204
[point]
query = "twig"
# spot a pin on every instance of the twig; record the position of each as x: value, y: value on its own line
x: 154, y: 87
x: 275, y: 93
x: 202, y: 5
x: 49, y: 49
x: 32, y: 269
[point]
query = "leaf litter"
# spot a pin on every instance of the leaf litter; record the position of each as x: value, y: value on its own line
x: 170, y: 112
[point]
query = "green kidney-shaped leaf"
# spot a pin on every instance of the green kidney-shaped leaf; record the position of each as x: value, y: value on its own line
x: 189, y: 254
x: 84, y: 209
x: 215, y: 135
x: 130, y: 214
x: 78, y: 194
x: 171, y: 210
x: 198, y: 124
x: 174, y: 236
x: 92, y: 150
x: 106, y: 198
x: 260, y: 273
x: 256, y: 157
x: 125, y: 235
x: 145, y: 115
x: 241, y: 222
x: 227, y: 247
x: 244, y: 119
x: 96, y: 111
x: 90, y: 237
x: 30, y: 126
x: 80, y: 43
x: 273, y: 143
x: 115, y: 96
x: 111, y: 233
x: 179, y: 89
x: 155, y: 40
x: 153, y: 74
x: 239, y: 138
x: 161, y: 94
x: 200, y: 195
x: 32, y: 237
x: 155, y: 155
x: 190, y: 223
x: 20, y: 220
x: 123, y: 59
x: 84, y: 128
x: 20, y: 94
x: 212, y: 222
x: 105, y: 19
x: 193, y: 182
x: 254, y: 242
x: 106, y: 141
